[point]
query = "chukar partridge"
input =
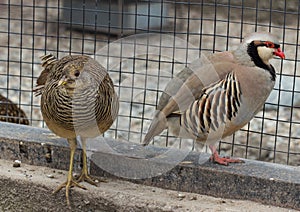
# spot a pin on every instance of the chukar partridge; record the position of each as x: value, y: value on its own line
x: 10, y: 112
x: 77, y: 99
x: 221, y: 96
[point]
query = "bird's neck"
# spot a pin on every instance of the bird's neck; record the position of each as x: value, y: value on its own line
x: 253, y: 53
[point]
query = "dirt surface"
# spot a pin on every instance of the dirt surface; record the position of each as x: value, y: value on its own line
x: 29, y: 188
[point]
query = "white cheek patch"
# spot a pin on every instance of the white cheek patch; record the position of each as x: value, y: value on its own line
x: 265, y: 53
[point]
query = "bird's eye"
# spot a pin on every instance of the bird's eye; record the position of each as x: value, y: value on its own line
x: 269, y: 44
x: 77, y: 73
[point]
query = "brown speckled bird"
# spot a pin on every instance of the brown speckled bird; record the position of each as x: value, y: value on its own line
x: 219, y: 96
x: 10, y: 112
x: 78, y: 99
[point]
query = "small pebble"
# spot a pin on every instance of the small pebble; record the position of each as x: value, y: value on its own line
x: 17, y: 164
x: 86, y: 202
x: 48, y: 156
x: 181, y: 195
x: 186, y: 162
x: 193, y: 198
x: 28, y: 175
x: 167, y: 208
x: 50, y: 175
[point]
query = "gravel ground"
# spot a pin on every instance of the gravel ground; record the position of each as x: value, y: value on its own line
x: 29, y: 188
x: 142, y: 78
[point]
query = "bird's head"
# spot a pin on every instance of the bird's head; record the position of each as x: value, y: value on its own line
x: 74, y: 76
x: 257, y: 49
x: 262, y: 47
x: 266, y: 50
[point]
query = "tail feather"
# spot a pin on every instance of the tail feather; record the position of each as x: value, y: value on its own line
x: 48, y: 59
x: 159, y: 123
x: 48, y: 62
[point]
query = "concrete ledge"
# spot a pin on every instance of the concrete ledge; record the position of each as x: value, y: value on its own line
x: 268, y: 183
x: 28, y: 188
x: 263, y: 182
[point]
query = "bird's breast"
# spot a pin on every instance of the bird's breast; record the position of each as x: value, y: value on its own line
x: 226, y: 106
x: 82, y: 113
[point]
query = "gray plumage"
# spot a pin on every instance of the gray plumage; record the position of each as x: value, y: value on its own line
x: 219, y: 94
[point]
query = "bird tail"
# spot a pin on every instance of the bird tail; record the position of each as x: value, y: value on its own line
x: 48, y: 61
x: 159, y: 123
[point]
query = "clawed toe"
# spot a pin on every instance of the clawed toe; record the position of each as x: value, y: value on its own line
x: 224, y: 160
x: 86, y: 178
x: 67, y: 185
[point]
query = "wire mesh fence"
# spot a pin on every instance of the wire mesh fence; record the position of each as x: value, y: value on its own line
x: 143, y: 44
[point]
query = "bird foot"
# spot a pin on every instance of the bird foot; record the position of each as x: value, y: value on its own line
x: 224, y: 160
x: 67, y: 185
x: 87, y: 178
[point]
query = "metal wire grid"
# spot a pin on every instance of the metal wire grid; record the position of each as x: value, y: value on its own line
x: 31, y: 29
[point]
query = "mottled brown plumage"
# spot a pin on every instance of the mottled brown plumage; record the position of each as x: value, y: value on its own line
x: 10, y: 112
x: 77, y: 99
x: 219, y: 94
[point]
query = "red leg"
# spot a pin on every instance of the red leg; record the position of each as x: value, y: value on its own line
x: 222, y: 160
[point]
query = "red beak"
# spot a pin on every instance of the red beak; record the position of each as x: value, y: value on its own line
x: 279, y: 53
